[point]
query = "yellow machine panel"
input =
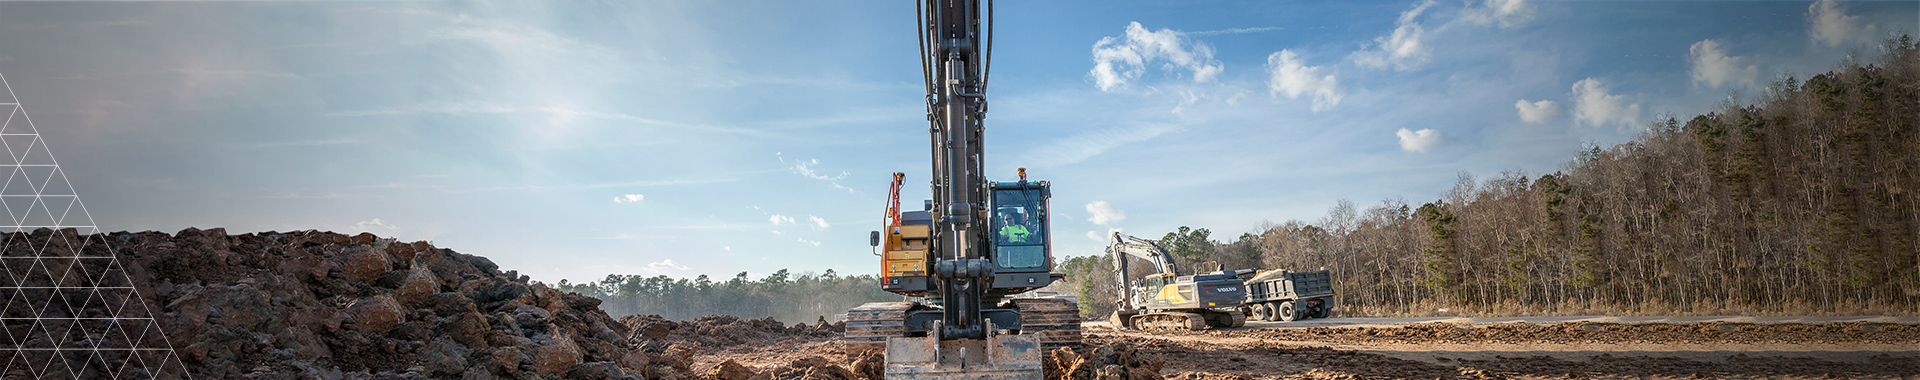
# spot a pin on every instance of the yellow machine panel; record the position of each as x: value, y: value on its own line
x: 906, y: 253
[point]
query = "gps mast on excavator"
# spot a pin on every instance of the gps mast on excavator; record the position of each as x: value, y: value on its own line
x: 976, y: 243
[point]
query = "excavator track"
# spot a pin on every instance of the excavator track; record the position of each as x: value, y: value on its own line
x: 869, y: 325
x: 1055, y: 321
x: 1168, y: 321
x: 1226, y: 319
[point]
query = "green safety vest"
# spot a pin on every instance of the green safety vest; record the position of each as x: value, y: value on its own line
x: 1015, y: 233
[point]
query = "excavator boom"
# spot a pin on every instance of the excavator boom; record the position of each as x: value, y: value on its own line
x: 976, y: 244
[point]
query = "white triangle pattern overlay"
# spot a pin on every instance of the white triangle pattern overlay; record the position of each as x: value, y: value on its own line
x: 68, y: 310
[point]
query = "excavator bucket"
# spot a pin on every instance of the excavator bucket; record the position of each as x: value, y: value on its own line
x: 999, y: 357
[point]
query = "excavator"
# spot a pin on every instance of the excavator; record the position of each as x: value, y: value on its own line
x: 963, y: 259
x: 1165, y: 300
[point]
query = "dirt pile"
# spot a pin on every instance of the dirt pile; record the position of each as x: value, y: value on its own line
x: 323, y: 305
x: 1191, y: 359
x: 723, y: 331
x: 1604, y: 333
x: 1111, y: 361
x: 865, y: 367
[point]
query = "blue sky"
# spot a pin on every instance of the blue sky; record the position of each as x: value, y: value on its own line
x: 573, y: 140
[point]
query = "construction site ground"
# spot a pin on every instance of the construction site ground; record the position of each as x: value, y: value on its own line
x: 1520, y: 348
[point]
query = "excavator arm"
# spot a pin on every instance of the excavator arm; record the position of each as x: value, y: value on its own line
x: 1124, y: 247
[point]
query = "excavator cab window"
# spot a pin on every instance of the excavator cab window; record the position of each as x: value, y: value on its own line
x: 1020, y: 226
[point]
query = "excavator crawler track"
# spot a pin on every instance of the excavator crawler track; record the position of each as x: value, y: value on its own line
x: 1170, y: 321
x: 869, y: 325
x: 1055, y: 321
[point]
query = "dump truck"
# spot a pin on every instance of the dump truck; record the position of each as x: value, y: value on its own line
x: 1166, y: 300
x: 1280, y: 295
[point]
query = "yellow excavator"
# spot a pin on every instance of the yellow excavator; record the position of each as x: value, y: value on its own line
x: 968, y: 255
x: 1166, y: 300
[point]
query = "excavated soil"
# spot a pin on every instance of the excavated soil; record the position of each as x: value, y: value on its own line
x: 321, y: 305
x: 1201, y: 360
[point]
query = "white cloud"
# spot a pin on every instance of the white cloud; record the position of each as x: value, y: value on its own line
x: 727, y: 248
x: 777, y: 219
x: 1236, y: 31
x: 814, y: 243
x: 805, y: 168
x: 818, y: 221
x: 1103, y: 238
x: 1506, y: 13
x: 1712, y: 65
x: 1537, y: 112
x: 1104, y: 214
x: 1290, y: 75
x: 1118, y: 60
x: 777, y: 232
x: 663, y: 265
x: 1593, y: 106
x: 629, y: 198
x: 376, y: 223
x: 1403, y: 49
x: 1419, y: 141
x: 1832, y: 26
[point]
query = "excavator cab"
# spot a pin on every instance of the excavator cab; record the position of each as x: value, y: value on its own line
x: 1020, y: 226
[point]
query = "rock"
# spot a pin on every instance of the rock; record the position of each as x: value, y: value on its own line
x: 597, y: 371
x: 363, y: 266
x: 419, y: 284
x: 507, y: 360
x: 468, y: 328
x: 443, y: 357
x: 556, y: 356
x: 634, y: 360
x: 375, y: 314
x: 871, y: 365
x: 730, y: 370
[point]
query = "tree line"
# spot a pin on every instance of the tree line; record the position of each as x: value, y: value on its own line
x: 1805, y: 202
x: 790, y: 298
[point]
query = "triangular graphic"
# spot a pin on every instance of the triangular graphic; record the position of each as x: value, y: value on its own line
x: 17, y: 183
x: 37, y: 154
x: 70, y: 310
x: 17, y: 143
x: 56, y: 184
x: 11, y: 110
x: 38, y: 175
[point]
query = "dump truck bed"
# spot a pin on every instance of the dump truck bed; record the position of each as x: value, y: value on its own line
x: 1290, y: 286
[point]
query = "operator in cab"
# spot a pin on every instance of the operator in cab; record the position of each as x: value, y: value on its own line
x: 1015, y: 226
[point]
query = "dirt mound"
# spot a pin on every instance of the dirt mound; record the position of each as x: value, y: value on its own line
x: 717, y: 332
x: 319, y: 304
x: 1112, y: 361
x: 1605, y: 333
x: 865, y: 367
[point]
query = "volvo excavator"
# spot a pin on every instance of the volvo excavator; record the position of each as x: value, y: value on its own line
x: 1165, y: 300
x: 975, y: 246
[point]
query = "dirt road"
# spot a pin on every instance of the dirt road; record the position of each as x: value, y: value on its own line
x: 1498, y: 348
x: 1547, y: 347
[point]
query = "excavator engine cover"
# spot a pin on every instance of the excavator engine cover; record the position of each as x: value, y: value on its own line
x: 998, y: 357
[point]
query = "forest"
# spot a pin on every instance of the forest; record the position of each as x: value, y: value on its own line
x: 1803, y: 202
x: 788, y: 297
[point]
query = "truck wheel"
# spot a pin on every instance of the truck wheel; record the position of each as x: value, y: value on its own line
x: 1323, y: 311
x: 1287, y: 313
x: 1262, y: 313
